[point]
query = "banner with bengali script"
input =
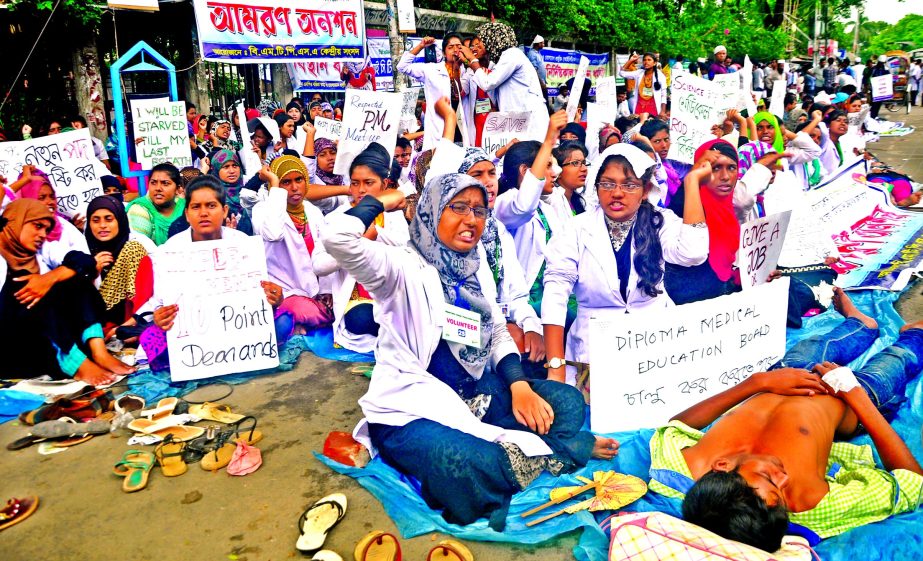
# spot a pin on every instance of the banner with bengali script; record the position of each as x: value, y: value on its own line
x: 561, y: 65
x: 880, y: 245
x: 250, y: 31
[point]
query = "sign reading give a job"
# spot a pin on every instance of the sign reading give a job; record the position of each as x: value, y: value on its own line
x: 648, y: 366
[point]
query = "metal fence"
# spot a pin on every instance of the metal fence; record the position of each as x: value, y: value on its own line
x: 228, y: 84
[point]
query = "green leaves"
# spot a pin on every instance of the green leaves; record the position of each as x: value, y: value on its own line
x: 86, y: 12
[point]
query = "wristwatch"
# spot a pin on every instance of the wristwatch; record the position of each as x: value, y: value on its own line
x: 555, y: 363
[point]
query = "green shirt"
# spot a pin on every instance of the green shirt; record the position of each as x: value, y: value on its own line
x: 860, y: 493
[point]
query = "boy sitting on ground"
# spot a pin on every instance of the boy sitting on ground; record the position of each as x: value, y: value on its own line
x: 771, y: 459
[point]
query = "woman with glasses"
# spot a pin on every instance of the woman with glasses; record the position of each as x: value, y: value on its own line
x: 571, y: 156
x: 448, y: 403
x: 612, y: 257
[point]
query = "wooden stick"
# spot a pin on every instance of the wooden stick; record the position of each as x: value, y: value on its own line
x: 544, y: 518
x: 559, y: 500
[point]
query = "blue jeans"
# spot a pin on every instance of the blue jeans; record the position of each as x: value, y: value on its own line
x: 885, y: 376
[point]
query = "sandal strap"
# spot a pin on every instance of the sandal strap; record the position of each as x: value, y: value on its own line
x: 11, y: 510
x: 240, y: 422
x: 304, y: 515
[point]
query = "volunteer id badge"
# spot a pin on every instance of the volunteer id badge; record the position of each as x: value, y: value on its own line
x: 462, y: 326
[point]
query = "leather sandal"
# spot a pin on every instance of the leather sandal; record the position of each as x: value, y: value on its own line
x: 169, y: 454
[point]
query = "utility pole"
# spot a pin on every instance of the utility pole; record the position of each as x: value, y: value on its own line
x: 397, y: 45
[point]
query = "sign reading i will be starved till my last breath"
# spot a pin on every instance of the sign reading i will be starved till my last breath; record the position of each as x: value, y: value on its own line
x: 224, y: 324
x: 648, y: 366
x: 162, y: 125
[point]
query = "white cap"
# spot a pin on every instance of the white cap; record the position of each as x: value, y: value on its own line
x: 720, y: 48
x: 882, y: 58
x: 781, y: 61
x: 639, y: 161
x: 538, y: 39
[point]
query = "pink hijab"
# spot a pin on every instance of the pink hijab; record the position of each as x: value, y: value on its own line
x: 30, y: 191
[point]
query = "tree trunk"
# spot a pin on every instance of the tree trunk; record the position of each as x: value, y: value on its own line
x: 90, y: 89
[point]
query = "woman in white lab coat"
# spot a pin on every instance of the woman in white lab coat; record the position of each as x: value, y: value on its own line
x: 650, y: 86
x: 290, y: 230
x: 328, y: 190
x: 356, y: 323
x: 512, y: 79
x: 440, y: 79
x: 612, y: 257
x: 448, y: 403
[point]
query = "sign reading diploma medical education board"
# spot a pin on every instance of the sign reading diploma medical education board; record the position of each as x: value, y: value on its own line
x: 248, y: 31
x: 648, y: 366
x: 224, y: 324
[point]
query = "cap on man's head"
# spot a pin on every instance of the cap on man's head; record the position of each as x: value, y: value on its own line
x: 882, y: 58
x: 538, y: 39
x: 720, y: 48
x: 840, y: 98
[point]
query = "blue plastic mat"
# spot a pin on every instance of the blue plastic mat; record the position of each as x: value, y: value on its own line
x: 904, y: 533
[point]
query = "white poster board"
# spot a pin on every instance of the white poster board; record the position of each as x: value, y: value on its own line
x: 728, y: 93
x: 68, y: 160
x: 406, y: 19
x: 777, y: 103
x: 224, y: 324
x: 503, y: 126
x: 368, y: 116
x: 692, y: 115
x: 746, y: 92
x: 646, y: 367
x: 606, y: 92
x: 409, y: 109
x: 249, y: 158
x: 162, y: 125
x: 327, y: 128
x: 882, y: 88
x: 579, y: 81
x: 761, y: 242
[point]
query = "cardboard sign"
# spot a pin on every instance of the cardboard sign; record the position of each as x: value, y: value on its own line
x: 503, y: 126
x: 728, y: 93
x: 579, y: 81
x: 882, y: 88
x: 224, y: 324
x: 605, y: 92
x: 857, y: 119
x: 777, y: 103
x: 162, y: 125
x: 248, y: 31
x: 409, y: 110
x: 327, y: 128
x: 746, y: 92
x: 646, y: 367
x: 694, y: 111
x: 406, y: 19
x: 249, y: 158
x: 761, y: 242
x: 368, y: 116
x: 68, y: 160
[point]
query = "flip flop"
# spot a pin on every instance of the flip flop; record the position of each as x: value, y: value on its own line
x: 181, y: 433
x: 449, y: 550
x: 209, y: 411
x: 138, y: 468
x: 219, y: 455
x: 251, y: 436
x: 326, y: 555
x: 378, y: 546
x: 317, y: 521
x: 121, y: 467
x: 24, y: 442
x: 17, y: 510
x: 169, y: 454
x: 128, y: 403
x: 60, y: 428
x: 68, y: 442
x: 164, y: 407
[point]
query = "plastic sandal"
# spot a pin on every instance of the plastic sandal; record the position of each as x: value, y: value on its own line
x: 317, y: 521
x: 209, y: 411
x: 326, y: 555
x: 219, y: 454
x: 378, y: 546
x: 164, y: 407
x: 17, y: 510
x: 450, y: 550
x: 251, y: 436
x: 164, y: 427
x: 136, y: 469
x: 169, y: 454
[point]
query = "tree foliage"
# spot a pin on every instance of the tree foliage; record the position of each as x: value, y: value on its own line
x: 87, y: 13
x: 906, y: 35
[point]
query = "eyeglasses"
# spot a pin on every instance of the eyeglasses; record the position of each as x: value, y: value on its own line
x: 464, y: 209
x: 575, y: 163
x: 626, y: 187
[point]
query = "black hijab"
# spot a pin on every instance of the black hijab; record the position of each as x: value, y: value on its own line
x: 113, y: 246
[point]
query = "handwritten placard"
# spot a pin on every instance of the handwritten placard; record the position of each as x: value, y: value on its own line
x: 409, y: 110
x: 577, y: 91
x: 68, y: 160
x: 728, y: 93
x: 406, y: 19
x: 327, y: 128
x: 368, y: 116
x: 503, y: 126
x: 857, y: 119
x: 777, y: 103
x: 162, y: 125
x: 882, y: 88
x: 646, y: 367
x: 761, y: 242
x: 606, y: 92
x: 694, y: 111
x: 224, y: 324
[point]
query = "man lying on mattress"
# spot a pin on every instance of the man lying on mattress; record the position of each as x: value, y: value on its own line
x: 769, y: 466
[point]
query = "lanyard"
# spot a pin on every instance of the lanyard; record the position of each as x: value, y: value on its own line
x: 541, y: 217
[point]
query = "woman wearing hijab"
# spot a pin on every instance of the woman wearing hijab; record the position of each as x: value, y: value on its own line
x: 63, y: 237
x: 811, y: 174
x: 126, y: 277
x: 295, y: 110
x: 52, y: 315
x: 356, y: 321
x: 328, y: 190
x: 650, y: 86
x: 448, y: 403
x: 225, y: 165
x: 573, y: 132
x: 512, y: 79
x: 612, y: 257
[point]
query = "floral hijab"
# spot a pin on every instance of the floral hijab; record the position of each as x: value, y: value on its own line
x: 497, y: 38
x: 218, y: 159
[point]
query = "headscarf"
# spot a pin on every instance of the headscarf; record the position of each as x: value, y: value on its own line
x: 325, y: 106
x: 577, y: 130
x: 777, y: 142
x: 113, y: 246
x: 232, y: 190
x: 750, y: 153
x: 791, y: 121
x: 118, y: 279
x: 17, y: 214
x: 268, y: 106
x: 723, y: 228
x: 606, y: 133
x: 457, y: 271
x: 300, y: 109
x: 250, y: 114
x: 284, y: 165
x: 30, y: 191
x: 418, y: 168
x: 327, y: 177
x: 497, y: 38
x: 473, y: 156
x: 490, y: 239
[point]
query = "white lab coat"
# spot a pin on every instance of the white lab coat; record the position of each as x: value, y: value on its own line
x: 517, y: 89
x: 52, y: 253
x: 328, y: 204
x: 287, y: 260
x: 660, y: 96
x: 751, y: 185
x: 395, y: 232
x: 513, y: 292
x: 436, y: 85
x: 581, y: 261
x: 410, y: 304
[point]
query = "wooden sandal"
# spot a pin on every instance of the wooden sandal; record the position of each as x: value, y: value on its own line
x: 169, y: 454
